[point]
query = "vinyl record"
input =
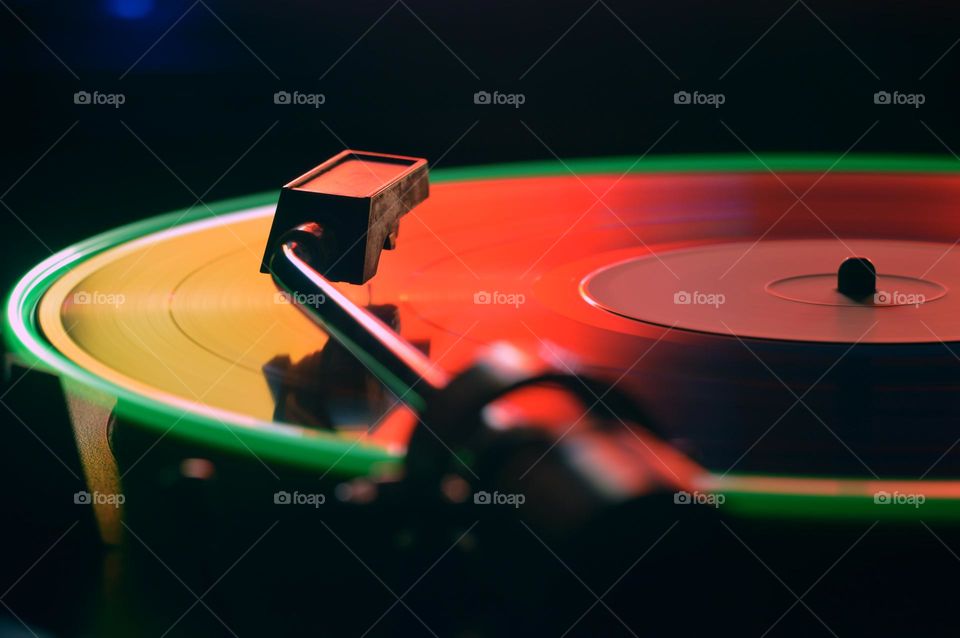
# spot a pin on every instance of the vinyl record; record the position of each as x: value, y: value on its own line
x: 705, y: 288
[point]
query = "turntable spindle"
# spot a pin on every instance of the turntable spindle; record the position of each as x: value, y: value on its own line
x: 857, y: 277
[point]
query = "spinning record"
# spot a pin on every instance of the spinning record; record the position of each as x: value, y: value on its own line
x: 709, y: 289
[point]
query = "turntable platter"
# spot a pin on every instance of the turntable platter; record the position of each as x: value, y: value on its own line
x: 583, y: 268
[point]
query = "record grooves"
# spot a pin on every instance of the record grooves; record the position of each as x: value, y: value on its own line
x: 662, y: 288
